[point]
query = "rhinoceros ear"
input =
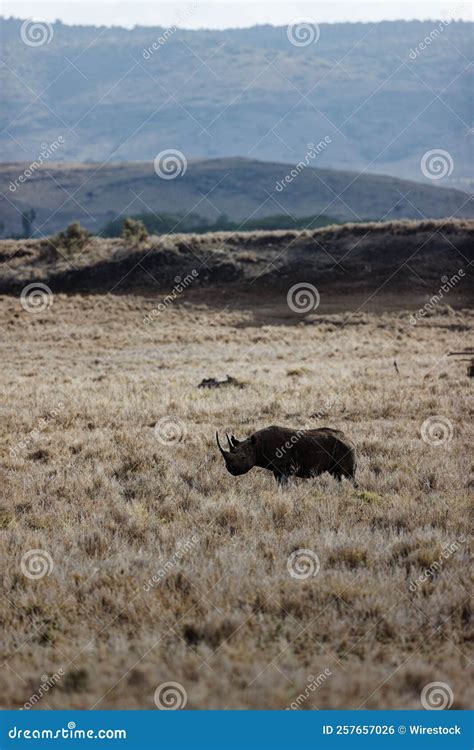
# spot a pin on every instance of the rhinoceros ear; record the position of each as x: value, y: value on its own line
x: 234, y: 440
x: 253, y: 439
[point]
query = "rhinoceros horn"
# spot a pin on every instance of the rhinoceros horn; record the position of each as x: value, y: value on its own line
x: 224, y: 453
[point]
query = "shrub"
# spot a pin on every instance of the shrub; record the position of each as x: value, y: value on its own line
x: 69, y: 242
x: 134, y: 231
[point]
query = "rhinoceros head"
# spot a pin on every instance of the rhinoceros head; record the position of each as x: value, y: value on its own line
x: 241, y: 456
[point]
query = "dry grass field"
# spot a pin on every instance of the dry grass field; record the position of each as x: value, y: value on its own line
x: 112, y: 501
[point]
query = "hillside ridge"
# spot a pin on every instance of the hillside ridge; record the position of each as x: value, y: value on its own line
x: 96, y: 194
x: 390, y: 257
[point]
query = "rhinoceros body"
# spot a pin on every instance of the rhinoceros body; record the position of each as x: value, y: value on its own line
x: 287, y: 452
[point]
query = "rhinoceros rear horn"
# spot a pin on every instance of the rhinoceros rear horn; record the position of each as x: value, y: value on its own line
x: 229, y: 442
x: 219, y: 445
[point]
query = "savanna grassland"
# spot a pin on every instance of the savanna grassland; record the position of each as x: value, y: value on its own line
x: 88, y: 478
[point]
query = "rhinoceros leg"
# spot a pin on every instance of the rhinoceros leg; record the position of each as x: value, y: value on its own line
x: 339, y: 473
x: 281, y: 479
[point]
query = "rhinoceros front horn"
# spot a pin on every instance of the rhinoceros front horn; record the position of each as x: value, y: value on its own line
x: 219, y: 445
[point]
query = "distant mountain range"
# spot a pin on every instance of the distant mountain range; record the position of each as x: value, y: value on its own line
x: 239, y: 189
x: 382, y: 94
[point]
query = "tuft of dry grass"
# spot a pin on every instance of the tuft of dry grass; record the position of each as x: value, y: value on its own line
x: 166, y: 568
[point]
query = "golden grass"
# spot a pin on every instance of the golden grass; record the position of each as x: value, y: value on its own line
x: 112, y: 505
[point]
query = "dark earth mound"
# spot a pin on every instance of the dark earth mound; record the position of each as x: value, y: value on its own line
x: 404, y: 256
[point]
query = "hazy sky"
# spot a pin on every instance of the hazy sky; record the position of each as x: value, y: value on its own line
x: 226, y: 13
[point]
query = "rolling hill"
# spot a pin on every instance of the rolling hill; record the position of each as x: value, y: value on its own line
x: 239, y: 188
